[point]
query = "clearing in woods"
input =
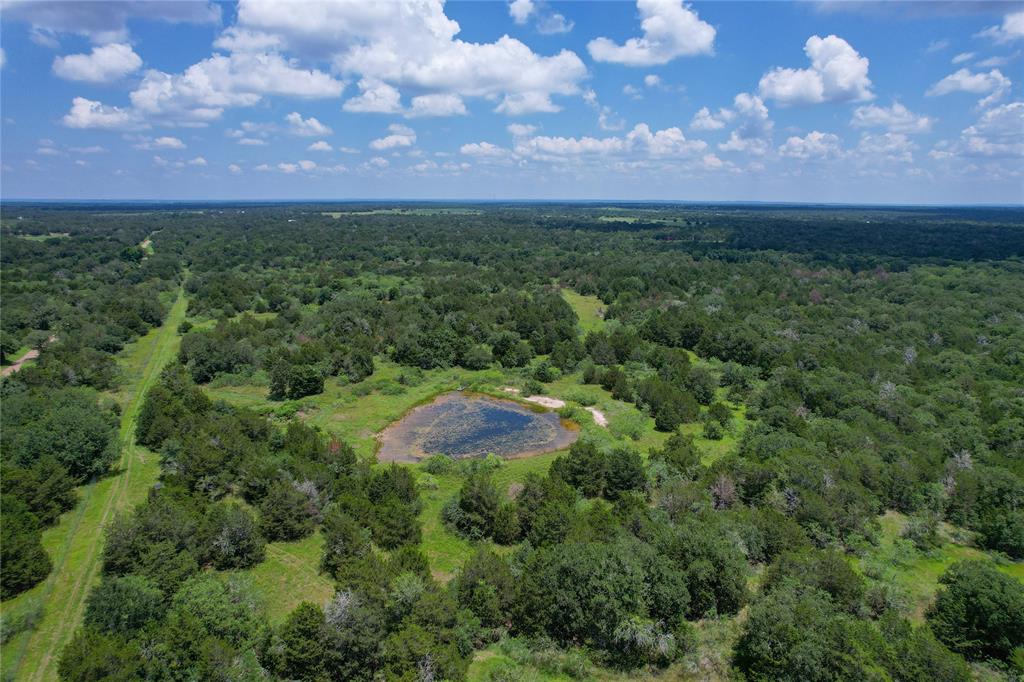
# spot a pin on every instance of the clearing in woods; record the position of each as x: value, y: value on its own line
x: 75, y: 543
x: 589, y: 310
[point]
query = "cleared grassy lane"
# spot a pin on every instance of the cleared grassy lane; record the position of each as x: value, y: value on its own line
x: 75, y: 543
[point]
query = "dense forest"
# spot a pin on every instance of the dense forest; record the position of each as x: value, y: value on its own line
x: 812, y: 466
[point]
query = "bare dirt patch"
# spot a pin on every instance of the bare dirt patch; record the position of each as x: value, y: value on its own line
x: 16, y: 365
x: 599, y: 417
x: 545, y: 401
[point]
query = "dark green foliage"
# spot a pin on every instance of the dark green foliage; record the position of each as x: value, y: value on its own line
x: 22, y: 556
x: 680, y: 454
x: 506, y: 530
x: 596, y: 473
x: 978, y: 611
x: 669, y: 405
x: 584, y: 592
x: 796, y: 634
x: 702, y: 384
x: 344, y: 540
x: 67, y: 425
x: 714, y: 567
x: 231, y: 538
x: 123, y: 605
x: 92, y: 656
x: 304, y: 639
x: 170, y: 407
x: 285, y: 513
x: 44, y: 487
x: 876, y: 374
x: 304, y: 380
x: 472, y: 512
x: 721, y: 413
x: 828, y: 571
x: 487, y: 588
x: 918, y: 655
x: 1004, y: 532
x: 478, y: 357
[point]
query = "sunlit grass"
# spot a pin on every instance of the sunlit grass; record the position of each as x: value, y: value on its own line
x: 589, y: 310
x: 917, y: 573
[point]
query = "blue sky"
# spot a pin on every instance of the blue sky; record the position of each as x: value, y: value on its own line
x: 655, y: 99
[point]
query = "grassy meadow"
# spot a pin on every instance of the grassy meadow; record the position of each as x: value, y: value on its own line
x: 357, y: 412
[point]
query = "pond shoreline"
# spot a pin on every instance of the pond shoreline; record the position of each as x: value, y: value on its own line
x: 403, y: 440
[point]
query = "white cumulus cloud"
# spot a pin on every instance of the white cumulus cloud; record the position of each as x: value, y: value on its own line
x: 306, y: 127
x: 103, y: 22
x: 814, y: 145
x: 753, y: 133
x: 1011, y: 29
x: 670, y: 30
x: 994, y: 84
x: 401, y: 136
x: 896, y: 118
x: 641, y: 140
x: 166, y: 142
x: 415, y: 45
x: 485, y: 149
x: 105, y: 64
x: 376, y: 97
x: 838, y: 73
x: 87, y: 113
x: 437, y: 104
x: 520, y: 10
x: 320, y: 146
x: 998, y: 133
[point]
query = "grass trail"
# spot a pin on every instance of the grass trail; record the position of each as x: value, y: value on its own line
x: 589, y: 310
x: 75, y: 543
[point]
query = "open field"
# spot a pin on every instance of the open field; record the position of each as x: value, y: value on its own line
x: 290, y: 575
x: 44, y: 237
x: 356, y: 412
x: 75, y: 543
x: 589, y: 310
x: 917, y: 573
x: 407, y: 211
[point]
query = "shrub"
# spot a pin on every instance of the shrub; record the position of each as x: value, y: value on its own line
x: 438, y: 465
x: 123, y: 605
x: 285, y: 513
x: 24, y: 560
x: 475, y: 506
x: 978, y: 611
x: 233, y: 538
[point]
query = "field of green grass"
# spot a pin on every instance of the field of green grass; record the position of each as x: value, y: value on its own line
x: 589, y: 309
x: 290, y: 575
x: 75, y: 543
x: 44, y: 237
x: 917, y: 573
x: 407, y: 211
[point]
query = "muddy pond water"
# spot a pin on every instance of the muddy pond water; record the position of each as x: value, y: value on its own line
x: 462, y: 425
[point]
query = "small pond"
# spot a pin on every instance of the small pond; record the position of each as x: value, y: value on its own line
x: 463, y: 425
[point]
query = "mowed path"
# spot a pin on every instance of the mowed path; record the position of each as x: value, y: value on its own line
x: 75, y: 544
x: 16, y: 365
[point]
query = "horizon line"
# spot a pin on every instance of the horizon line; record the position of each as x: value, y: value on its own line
x: 667, y: 202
